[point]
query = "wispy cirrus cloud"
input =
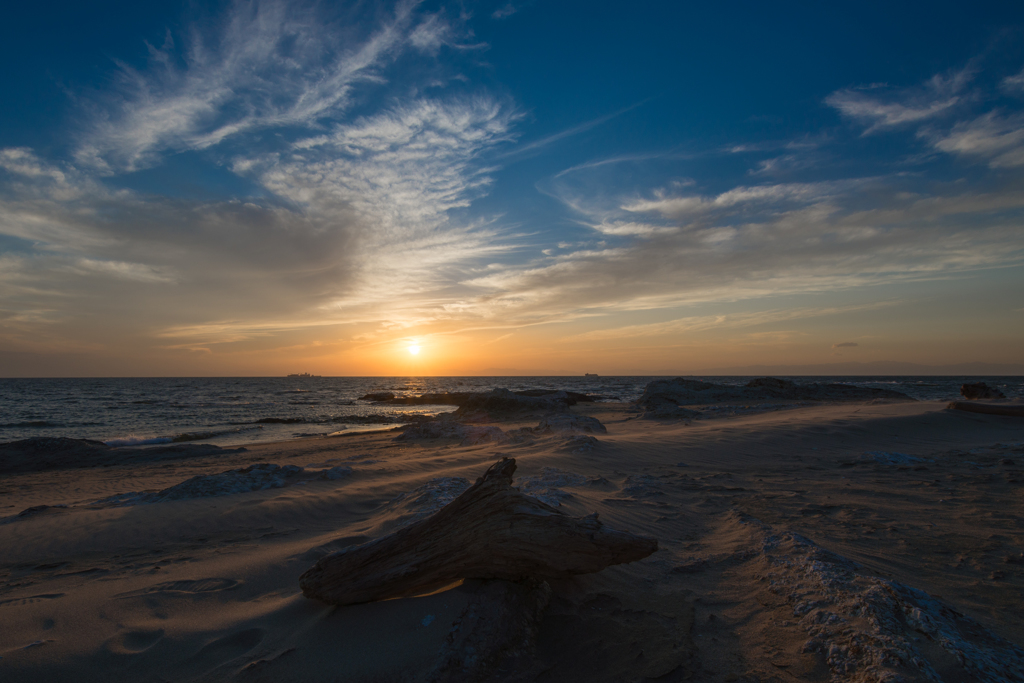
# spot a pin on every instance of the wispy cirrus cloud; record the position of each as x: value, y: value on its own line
x: 22, y: 161
x: 1013, y: 84
x: 995, y: 138
x: 630, y: 228
x: 138, y: 272
x: 274, y: 64
x: 757, y: 241
x: 704, y: 323
x: 504, y: 11
x: 403, y: 171
x: 883, y: 108
x: 548, y: 140
x: 682, y: 207
x: 365, y: 222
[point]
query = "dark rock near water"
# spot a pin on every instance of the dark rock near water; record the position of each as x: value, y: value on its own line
x: 975, y: 390
x: 499, y: 401
x: 571, y: 397
x: 471, y: 399
x: 771, y: 383
x: 380, y: 396
x: 59, y: 453
x: 663, y: 397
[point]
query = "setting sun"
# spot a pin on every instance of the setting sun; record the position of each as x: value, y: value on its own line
x: 414, y: 349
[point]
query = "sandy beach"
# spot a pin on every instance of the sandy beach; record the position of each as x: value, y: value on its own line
x: 861, y: 541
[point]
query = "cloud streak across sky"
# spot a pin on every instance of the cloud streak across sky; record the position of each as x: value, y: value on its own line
x: 372, y: 163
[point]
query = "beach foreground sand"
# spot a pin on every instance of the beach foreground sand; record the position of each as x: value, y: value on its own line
x: 857, y: 542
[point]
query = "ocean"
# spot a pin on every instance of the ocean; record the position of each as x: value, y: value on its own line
x: 240, y: 410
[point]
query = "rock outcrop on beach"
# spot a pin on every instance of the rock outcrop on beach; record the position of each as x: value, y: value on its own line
x: 664, y: 397
x: 59, y: 453
x: 975, y: 390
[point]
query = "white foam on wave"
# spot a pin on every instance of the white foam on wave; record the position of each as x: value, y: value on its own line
x: 132, y: 440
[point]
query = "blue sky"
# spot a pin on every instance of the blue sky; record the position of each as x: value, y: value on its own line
x: 530, y: 187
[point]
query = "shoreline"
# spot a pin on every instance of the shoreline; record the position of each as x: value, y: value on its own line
x: 130, y: 411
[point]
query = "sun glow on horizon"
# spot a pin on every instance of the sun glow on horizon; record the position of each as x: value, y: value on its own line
x: 414, y: 349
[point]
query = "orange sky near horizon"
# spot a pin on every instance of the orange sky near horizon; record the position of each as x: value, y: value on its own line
x: 785, y: 332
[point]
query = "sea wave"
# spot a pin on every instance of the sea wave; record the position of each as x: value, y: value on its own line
x: 30, y: 423
x: 133, y: 440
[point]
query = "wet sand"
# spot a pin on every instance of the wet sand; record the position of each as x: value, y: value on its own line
x: 837, y: 542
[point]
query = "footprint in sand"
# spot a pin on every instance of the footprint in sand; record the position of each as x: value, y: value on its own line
x: 133, y: 642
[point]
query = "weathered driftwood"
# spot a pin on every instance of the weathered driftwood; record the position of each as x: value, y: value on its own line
x: 988, y: 408
x: 491, y: 531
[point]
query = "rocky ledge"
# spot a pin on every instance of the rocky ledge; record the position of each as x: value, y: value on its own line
x: 975, y: 390
x: 59, y: 453
x: 664, y: 397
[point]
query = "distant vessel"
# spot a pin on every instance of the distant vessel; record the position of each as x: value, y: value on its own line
x: 591, y: 374
x: 304, y: 375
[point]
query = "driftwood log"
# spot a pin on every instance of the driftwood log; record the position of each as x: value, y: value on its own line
x: 988, y: 408
x: 491, y: 531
